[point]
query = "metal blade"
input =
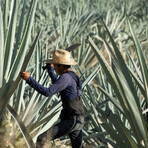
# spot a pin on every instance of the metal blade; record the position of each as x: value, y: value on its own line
x: 72, y: 47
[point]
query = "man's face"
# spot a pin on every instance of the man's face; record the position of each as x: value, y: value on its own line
x: 58, y: 69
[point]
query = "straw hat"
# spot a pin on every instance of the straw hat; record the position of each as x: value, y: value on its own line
x: 61, y: 56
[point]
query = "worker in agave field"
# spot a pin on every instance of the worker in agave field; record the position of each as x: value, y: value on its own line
x: 68, y: 85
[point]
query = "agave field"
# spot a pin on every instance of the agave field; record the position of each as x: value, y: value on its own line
x: 112, y: 63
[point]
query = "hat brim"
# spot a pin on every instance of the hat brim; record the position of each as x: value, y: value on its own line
x: 51, y: 61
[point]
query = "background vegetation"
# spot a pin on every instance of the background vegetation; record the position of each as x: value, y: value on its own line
x: 112, y: 63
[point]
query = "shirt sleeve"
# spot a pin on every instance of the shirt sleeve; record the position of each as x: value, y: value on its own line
x: 58, y: 86
x: 52, y: 75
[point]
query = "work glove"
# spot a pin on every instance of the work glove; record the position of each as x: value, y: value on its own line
x: 48, y: 66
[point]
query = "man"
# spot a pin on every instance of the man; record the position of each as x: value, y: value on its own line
x: 69, y: 86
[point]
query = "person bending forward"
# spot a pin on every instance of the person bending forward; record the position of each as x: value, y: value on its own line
x: 69, y: 86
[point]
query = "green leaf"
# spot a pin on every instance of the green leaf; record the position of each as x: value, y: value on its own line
x: 30, y: 106
x: 19, y: 100
x: 1, y: 48
x: 10, y: 40
x: 137, y: 120
x: 49, y: 115
x: 90, y: 77
x: 121, y: 95
x: 15, y: 83
x: 22, y: 127
x: 111, y: 131
x: 121, y: 63
x: 137, y: 80
x: 5, y: 20
x: 112, y: 99
x: 24, y: 44
x: 120, y: 128
x: 48, y: 124
x: 142, y: 61
x: 19, y: 33
x: 111, y: 76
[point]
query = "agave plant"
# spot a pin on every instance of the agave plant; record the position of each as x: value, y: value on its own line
x: 14, y: 47
x: 126, y: 98
x: 64, y: 23
x: 32, y: 117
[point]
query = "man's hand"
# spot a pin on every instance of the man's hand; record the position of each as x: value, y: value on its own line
x: 47, y: 66
x: 51, y: 65
x: 24, y: 75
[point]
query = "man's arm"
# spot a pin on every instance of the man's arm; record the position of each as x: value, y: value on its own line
x: 51, y: 73
x: 58, y: 86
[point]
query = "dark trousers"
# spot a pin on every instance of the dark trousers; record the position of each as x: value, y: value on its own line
x: 71, y: 126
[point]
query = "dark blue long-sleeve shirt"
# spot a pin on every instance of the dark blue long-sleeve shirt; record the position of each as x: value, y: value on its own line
x: 52, y: 75
x: 66, y: 84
